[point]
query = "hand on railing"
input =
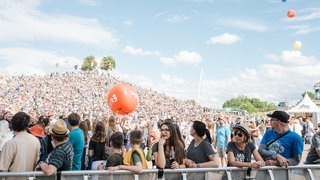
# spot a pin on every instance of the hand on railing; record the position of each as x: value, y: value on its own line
x: 257, y: 164
x: 190, y: 163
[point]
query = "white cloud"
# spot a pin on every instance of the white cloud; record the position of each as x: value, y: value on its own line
x: 310, y: 14
x: 173, y: 80
x: 128, y: 23
x: 32, y: 61
x: 272, y: 82
x: 225, y: 38
x: 159, y: 14
x: 139, y: 52
x: 293, y: 58
x: 177, y: 18
x: 183, y: 57
x: 139, y: 80
x: 20, y: 20
x: 290, y: 74
x: 244, y: 24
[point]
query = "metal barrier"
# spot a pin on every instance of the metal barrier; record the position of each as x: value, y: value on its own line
x: 301, y: 172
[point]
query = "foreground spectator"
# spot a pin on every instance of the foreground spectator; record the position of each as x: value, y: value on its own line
x: 280, y: 146
x: 22, y: 152
x: 76, y: 139
x: 313, y: 156
x: 5, y: 133
x: 115, y: 159
x: 240, y: 149
x: 134, y: 160
x: 161, y: 149
x: 200, y: 153
x: 96, y: 145
x: 60, y: 158
x: 37, y: 131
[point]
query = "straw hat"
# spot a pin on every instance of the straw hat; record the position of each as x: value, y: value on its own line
x: 37, y: 131
x: 59, y: 128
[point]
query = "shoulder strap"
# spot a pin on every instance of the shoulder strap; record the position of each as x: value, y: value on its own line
x: 278, y: 138
x: 247, y: 153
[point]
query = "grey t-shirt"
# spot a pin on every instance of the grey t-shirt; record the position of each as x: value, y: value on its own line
x: 200, y: 153
x: 313, y: 157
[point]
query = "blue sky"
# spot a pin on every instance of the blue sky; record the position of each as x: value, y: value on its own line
x: 244, y: 47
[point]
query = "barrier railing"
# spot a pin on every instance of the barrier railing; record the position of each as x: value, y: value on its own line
x: 301, y: 172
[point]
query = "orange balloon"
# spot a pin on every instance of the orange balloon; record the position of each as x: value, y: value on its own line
x: 122, y: 99
x: 291, y: 13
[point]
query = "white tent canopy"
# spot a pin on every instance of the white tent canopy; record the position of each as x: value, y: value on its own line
x: 305, y: 106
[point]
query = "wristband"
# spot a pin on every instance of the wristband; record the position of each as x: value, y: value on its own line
x: 198, y: 166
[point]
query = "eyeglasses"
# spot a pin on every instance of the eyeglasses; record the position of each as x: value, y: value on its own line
x: 237, y: 133
x: 274, y: 119
x: 165, y: 130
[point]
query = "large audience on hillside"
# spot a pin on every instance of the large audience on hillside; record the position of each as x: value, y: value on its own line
x: 58, y: 122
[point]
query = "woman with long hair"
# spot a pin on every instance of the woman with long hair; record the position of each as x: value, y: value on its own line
x: 89, y: 126
x: 85, y: 160
x: 111, y: 126
x: 161, y: 150
x: 96, y: 145
x: 200, y: 153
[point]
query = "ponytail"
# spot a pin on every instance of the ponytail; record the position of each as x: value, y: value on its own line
x: 208, y: 136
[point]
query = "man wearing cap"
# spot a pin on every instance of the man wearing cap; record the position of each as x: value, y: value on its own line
x: 280, y: 146
x: 60, y: 158
x: 22, y: 152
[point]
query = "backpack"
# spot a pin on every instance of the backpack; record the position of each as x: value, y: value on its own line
x: 107, y: 149
x: 128, y: 160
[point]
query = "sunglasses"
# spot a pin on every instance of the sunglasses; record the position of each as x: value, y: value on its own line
x: 237, y: 133
x: 164, y: 130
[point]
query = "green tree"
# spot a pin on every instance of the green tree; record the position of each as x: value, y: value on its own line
x: 310, y: 94
x: 108, y: 63
x: 89, y: 63
x: 191, y: 101
x: 251, y: 105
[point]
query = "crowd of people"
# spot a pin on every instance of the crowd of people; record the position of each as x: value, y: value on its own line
x: 59, y: 122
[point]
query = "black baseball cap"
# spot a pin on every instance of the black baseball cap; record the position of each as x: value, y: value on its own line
x: 281, y: 115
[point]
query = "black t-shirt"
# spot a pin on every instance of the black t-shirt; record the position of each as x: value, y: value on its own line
x: 98, y: 150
